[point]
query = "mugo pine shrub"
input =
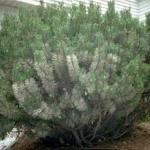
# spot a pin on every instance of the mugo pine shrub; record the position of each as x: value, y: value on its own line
x: 146, y: 93
x: 145, y: 108
x: 70, y: 72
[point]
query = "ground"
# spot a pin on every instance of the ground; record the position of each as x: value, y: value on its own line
x: 138, y: 140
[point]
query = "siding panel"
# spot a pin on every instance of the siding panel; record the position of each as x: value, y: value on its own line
x: 138, y: 7
x: 119, y: 4
x: 144, y: 8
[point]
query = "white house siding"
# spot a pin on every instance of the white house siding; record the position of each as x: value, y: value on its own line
x: 119, y: 4
x: 138, y: 7
x: 126, y: 4
x: 144, y: 8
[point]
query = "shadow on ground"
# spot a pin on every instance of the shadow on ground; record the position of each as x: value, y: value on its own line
x: 138, y: 140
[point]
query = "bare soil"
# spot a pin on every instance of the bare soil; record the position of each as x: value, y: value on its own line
x: 138, y: 140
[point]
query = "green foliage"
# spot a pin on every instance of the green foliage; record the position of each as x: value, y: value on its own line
x: 72, y: 70
x: 147, y: 60
x: 146, y: 94
x: 6, y: 126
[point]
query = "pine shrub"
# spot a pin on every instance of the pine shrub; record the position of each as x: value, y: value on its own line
x: 71, y: 73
